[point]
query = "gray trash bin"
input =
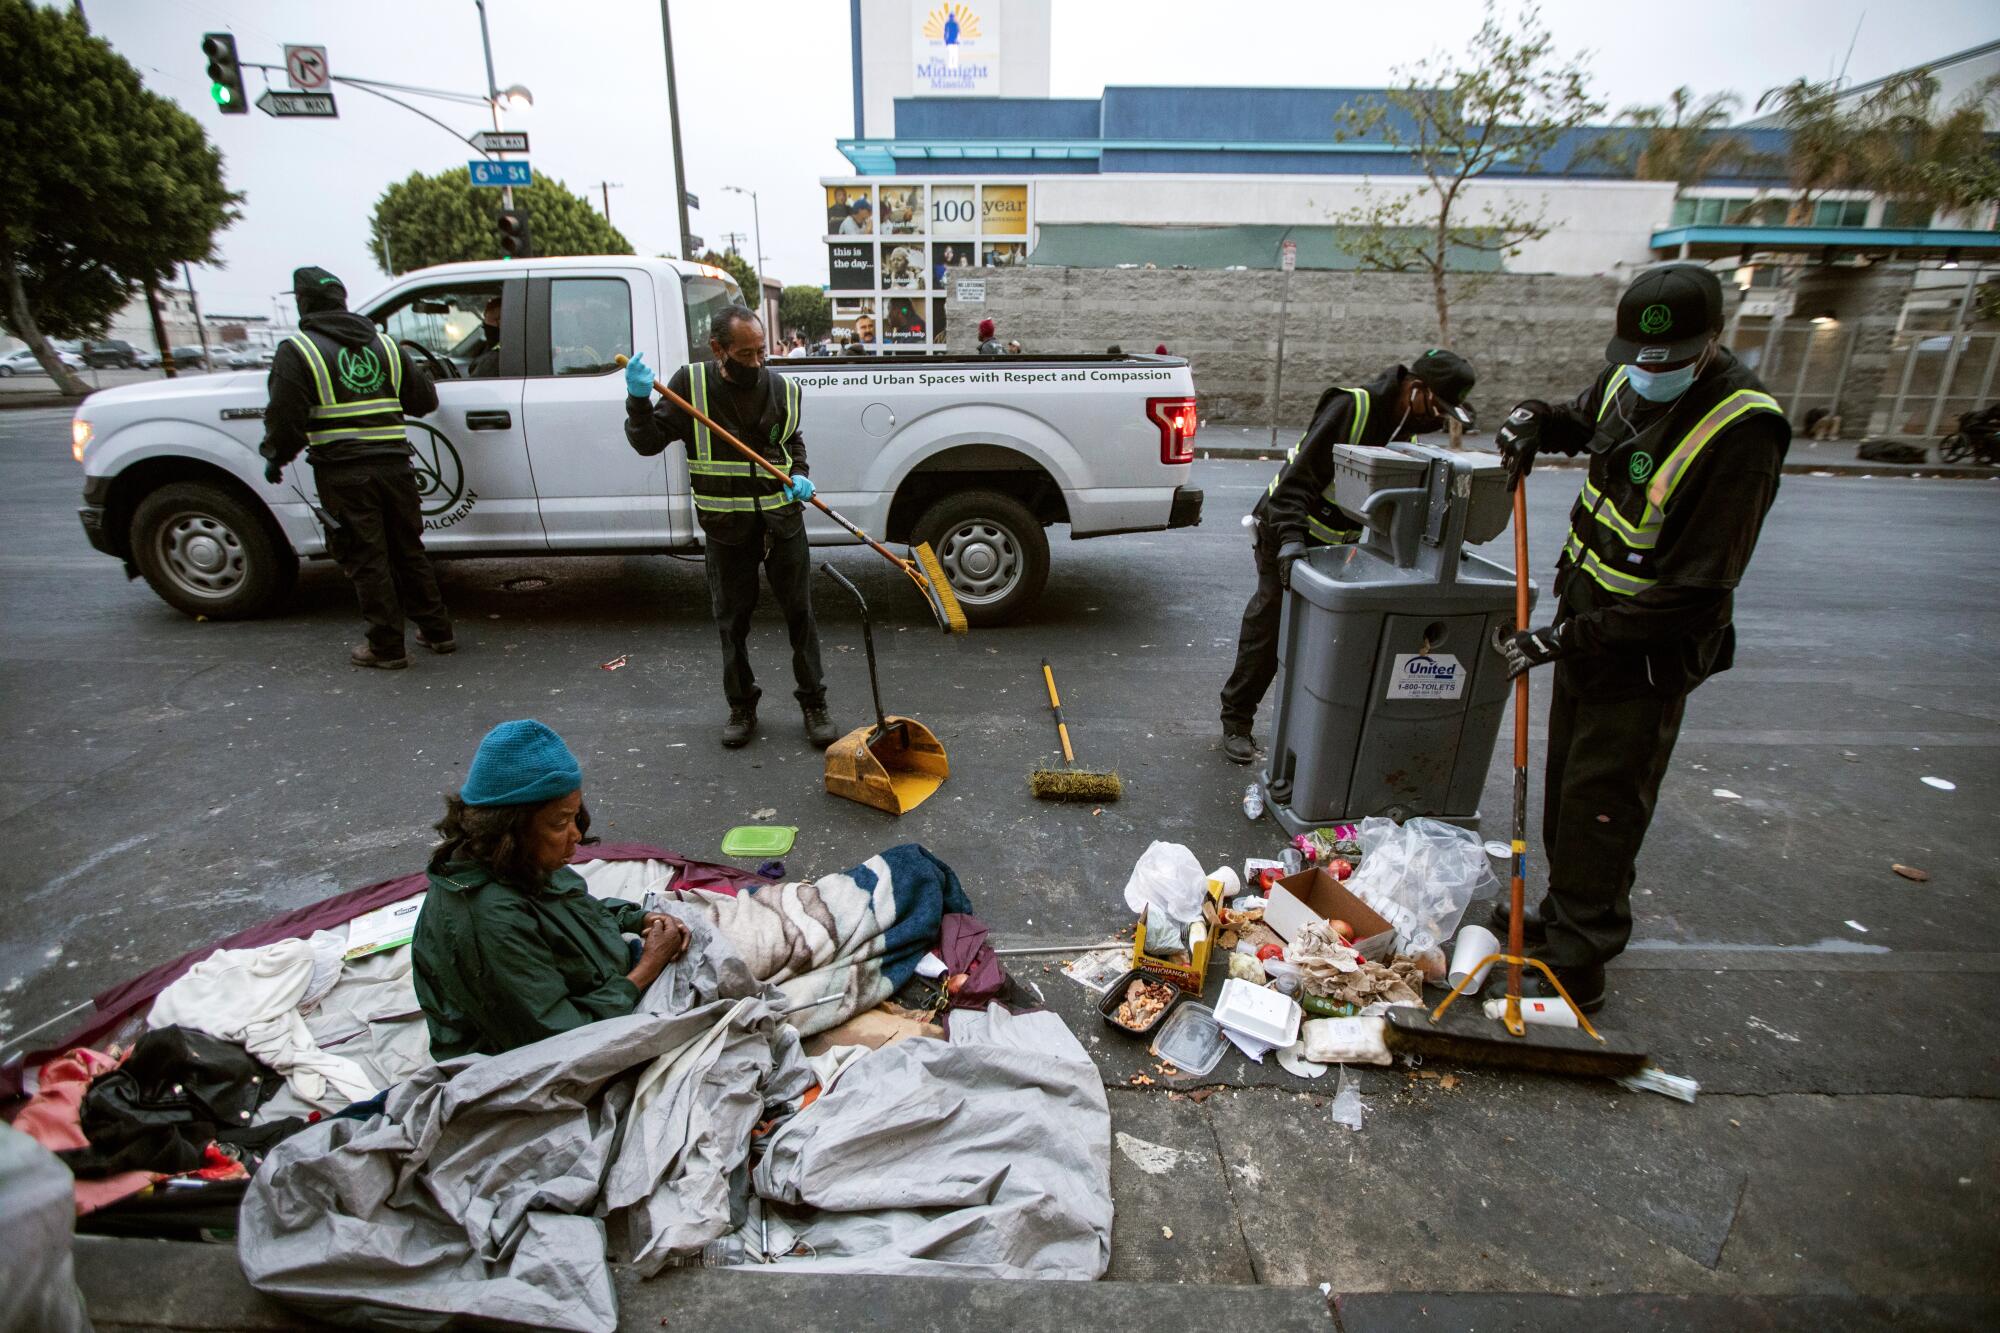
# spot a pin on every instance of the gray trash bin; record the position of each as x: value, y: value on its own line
x: 1389, y: 691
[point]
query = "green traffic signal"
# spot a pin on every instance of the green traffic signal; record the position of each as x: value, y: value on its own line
x: 225, y: 75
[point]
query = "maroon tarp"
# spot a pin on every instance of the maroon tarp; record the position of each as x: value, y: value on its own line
x: 118, y: 1003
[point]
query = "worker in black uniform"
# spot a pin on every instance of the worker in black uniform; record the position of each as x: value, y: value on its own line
x: 1297, y: 511
x: 340, y: 388
x: 1685, y: 451
x: 748, y: 517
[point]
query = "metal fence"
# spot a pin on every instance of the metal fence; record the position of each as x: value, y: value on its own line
x: 1802, y: 365
x: 1933, y: 377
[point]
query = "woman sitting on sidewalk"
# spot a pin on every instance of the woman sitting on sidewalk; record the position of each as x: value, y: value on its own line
x: 510, y: 947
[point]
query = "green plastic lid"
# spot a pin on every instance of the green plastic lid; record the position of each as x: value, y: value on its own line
x: 759, y: 839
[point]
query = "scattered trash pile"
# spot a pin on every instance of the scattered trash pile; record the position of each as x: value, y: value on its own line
x: 1311, y: 949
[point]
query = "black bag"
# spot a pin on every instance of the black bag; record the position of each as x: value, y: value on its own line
x: 178, y: 1092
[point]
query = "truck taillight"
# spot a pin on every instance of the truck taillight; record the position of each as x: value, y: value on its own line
x: 1176, y: 419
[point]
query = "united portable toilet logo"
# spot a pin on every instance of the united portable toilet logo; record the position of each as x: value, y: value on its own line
x: 1426, y: 676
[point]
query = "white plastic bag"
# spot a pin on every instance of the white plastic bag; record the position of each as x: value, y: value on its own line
x: 1169, y: 878
x: 1420, y: 877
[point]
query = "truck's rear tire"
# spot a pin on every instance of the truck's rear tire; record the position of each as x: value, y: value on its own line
x: 993, y: 550
x: 208, y: 552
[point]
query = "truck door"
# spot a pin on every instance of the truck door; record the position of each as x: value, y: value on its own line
x: 471, y: 455
x: 594, y: 491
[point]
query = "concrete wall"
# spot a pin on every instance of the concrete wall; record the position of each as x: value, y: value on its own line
x: 1597, y: 226
x: 1528, y: 336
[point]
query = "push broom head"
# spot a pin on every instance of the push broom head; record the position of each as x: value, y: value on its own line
x: 1472, y: 1038
x: 1074, y: 784
x: 938, y: 590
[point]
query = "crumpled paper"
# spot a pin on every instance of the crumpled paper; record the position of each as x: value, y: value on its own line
x: 1332, y: 970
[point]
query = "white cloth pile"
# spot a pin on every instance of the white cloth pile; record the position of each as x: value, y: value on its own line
x: 254, y: 997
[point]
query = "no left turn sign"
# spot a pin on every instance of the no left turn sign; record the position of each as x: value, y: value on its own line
x: 306, y: 67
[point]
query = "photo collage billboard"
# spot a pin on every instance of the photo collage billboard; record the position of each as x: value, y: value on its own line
x: 894, y: 247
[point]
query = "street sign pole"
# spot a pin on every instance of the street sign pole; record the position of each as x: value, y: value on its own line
x: 1288, y: 253
x: 493, y: 97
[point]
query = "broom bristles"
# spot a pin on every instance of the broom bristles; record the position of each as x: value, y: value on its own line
x: 942, y: 596
x: 1074, y: 784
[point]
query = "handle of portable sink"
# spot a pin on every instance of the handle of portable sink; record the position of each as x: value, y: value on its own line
x: 1401, y: 527
x: 868, y: 641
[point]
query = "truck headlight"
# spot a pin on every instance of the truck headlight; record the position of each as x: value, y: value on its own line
x: 79, y: 438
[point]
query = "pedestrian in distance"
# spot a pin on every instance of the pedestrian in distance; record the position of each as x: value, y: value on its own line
x: 1685, y: 452
x: 988, y: 344
x: 340, y: 388
x: 748, y: 517
x: 1297, y: 511
x: 1013, y: 347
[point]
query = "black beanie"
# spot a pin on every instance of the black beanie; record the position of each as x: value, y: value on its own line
x: 318, y: 290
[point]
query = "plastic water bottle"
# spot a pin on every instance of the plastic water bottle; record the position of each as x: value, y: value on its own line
x: 1253, y: 801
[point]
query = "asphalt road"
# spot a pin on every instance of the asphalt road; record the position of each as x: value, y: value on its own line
x: 169, y: 781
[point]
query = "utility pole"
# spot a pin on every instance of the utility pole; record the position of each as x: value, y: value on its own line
x: 194, y: 304
x: 674, y: 124
x: 160, y: 343
x: 608, y: 187
x: 732, y: 242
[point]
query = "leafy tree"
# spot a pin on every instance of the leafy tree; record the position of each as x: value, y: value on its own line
x: 746, y: 277
x: 804, y: 310
x: 444, y: 219
x: 104, y: 186
x: 1508, y: 102
x: 1685, y: 141
x: 1894, y: 140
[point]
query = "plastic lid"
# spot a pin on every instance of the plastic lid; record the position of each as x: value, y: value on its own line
x: 1256, y: 1012
x: 1191, y: 1041
x: 759, y: 839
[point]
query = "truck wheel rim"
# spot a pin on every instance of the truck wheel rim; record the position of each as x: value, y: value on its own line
x: 982, y: 560
x: 202, y: 555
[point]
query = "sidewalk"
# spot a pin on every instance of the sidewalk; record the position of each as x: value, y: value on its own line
x: 1812, y: 458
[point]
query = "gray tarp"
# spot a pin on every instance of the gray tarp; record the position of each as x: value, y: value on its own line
x: 492, y: 1187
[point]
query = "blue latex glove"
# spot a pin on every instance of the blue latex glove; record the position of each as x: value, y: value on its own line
x: 801, y: 488
x: 638, y: 378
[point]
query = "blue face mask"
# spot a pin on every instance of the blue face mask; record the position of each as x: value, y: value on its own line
x: 1662, y: 386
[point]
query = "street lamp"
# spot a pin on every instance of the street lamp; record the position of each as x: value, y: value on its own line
x: 513, y: 98
x: 755, y: 223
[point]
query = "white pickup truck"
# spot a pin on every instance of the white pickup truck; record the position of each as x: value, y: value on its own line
x: 526, y: 454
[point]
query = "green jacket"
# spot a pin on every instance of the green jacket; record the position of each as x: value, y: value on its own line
x: 499, y: 966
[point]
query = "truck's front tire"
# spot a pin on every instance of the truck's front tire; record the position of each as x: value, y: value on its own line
x: 207, y: 552
x: 993, y: 550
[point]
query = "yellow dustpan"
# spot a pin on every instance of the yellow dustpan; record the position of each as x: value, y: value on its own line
x: 894, y: 764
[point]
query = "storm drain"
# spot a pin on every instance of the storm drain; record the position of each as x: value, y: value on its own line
x: 527, y: 583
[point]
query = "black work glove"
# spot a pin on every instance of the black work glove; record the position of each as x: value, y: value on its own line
x: 1525, y: 648
x: 1520, y: 438
x: 1288, y: 555
x: 274, y: 472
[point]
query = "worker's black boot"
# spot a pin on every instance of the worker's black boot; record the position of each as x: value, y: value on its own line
x: 736, y: 731
x: 819, y: 726
x: 1584, y: 984
x: 1238, y: 747
x: 1533, y: 929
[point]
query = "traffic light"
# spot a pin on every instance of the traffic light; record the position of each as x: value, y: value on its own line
x: 225, y: 76
x: 516, y: 241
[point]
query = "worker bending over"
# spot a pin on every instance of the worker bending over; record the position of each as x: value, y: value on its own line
x: 1685, y: 450
x: 1297, y: 511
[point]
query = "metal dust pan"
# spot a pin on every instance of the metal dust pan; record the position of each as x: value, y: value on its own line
x: 896, y: 763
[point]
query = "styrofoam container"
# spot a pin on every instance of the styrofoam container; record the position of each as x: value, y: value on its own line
x: 1256, y: 1011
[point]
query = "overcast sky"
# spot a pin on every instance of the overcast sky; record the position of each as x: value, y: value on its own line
x: 765, y: 91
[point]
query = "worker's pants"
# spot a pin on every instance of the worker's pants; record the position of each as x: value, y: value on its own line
x: 1605, y: 765
x: 1256, y: 643
x: 377, y: 539
x: 732, y: 593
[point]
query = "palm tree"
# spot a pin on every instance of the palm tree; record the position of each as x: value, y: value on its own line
x: 1685, y: 141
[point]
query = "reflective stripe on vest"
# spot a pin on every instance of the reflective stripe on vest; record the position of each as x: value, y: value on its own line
x: 1354, y: 437
x: 340, y: 421
x: 703, y: 463
x: 1620, y: 541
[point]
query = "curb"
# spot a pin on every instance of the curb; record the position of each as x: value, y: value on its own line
x: 26, y: 400
x: 1938, y: 471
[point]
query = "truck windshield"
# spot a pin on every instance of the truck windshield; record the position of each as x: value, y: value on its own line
x: 704, y: 296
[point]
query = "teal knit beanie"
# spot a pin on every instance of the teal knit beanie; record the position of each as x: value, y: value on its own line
x: 521, y: 763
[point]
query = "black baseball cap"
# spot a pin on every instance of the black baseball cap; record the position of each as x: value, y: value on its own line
x: 1449, y: 376
x: 1666, y: 316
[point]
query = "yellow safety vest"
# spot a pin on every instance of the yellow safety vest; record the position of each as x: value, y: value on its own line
x: 1318, y: 522
x: 732, y: 483
x: 360, y: 396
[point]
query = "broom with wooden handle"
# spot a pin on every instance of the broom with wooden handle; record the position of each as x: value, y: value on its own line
x: 930, y: 579
x: 1069, y: 783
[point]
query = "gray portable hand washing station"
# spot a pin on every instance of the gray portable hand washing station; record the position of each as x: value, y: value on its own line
x: 1389, y: 691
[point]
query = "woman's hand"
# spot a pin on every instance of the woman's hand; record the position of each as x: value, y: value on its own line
x: 665, y: 932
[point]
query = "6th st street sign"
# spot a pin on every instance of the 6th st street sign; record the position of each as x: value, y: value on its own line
x: 500, y: 173
x: 274, y: 103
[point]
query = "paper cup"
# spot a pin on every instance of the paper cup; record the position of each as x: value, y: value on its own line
x: 1473, y: 943
x: 1232, y: 884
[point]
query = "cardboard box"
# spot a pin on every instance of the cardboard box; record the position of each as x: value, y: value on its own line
x: 1187, y: 976
x: 1314, y: 895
